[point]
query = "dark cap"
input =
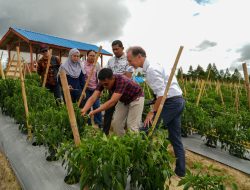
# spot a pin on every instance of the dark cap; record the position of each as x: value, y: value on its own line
x: 43, y: 47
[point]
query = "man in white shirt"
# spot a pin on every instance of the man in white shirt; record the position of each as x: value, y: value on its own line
x: 157, y: 79
x: 119, y: 65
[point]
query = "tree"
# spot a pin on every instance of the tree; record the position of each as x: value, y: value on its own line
x: 190, y: 71
x: 227, y: 75
x: 179, y: 73
x: 236, y: 76
x: 215, y: 71
x: 199, y: 72
x: 209, y: 71
x: 221, y: 74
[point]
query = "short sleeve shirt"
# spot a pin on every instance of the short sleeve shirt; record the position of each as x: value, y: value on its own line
x: 119, y: 65
x: 127, y: 87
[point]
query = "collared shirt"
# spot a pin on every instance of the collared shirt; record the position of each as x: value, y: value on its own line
x: 93, y: 80
x: 127, y: 87
x: 53, y: 69
x: 119, y: 65
x: 157, y: 79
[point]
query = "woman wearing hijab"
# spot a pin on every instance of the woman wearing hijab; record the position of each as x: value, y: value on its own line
x: 75, y: 74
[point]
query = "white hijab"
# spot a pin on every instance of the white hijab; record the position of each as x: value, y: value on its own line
x: 71, y: 68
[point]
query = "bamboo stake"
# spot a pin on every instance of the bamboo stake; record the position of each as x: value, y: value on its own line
x: 182, y: 80
x: 23, y: 68
x: 166, y: 90
x: 1, y: 67
x: 83, y: 94
x: 24, y: 94
x: 201, y: 90
x: 71, y: 113
x: 221, y: 96
x: 236, y: 100
x: 185, y: 91
x: 47, y: 68
x: 244, y: 65
x: 196, y: 83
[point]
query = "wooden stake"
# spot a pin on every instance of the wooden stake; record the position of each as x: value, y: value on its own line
x: 196, y: 83
x: 200, y: 93
x: 185, y: 91
x: 166, y: 90
x: 244, y: 65
x: 1, y: 67
x: 221, y: 96
x: 71, y: 112
x: 25, y: 103
x: 83, y: 94
x: 47, y: 68
x: 236, y: 101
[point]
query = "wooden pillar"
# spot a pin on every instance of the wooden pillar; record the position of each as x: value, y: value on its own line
x: 31, y: 58
x: 101, y: 60
x: 9, y: 56
x: 60, y: 56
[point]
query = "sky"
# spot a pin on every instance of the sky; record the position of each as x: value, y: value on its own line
x: 211, y: 31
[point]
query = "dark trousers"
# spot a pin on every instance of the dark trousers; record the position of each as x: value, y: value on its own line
x: 107, y: 119
x: 171, y: 116
x: 98, y: 116
x: 56, y: 90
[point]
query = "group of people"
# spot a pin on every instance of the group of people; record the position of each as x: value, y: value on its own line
x: 126, y: 98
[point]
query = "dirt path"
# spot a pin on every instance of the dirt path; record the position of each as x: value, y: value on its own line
x: 8, y: 180
x: 241, y: 179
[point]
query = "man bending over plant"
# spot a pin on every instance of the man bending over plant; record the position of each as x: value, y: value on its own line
x: 126, y: 93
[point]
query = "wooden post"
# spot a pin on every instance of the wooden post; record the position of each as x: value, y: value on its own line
x: 200, y: 93
x: 244, y: 65
x: 60, y: 56
x: 71, y: 113
x: 83, y: 94
x: 236, y: 101
x: 101, y: 61
x: 166, y: 90
x: 221, y: 96
x: 196, y: 83
x: 1, y: 66
x: 31, y: 57
x: 47, y: 68
x: 25, y: 103
x: 185, y: 91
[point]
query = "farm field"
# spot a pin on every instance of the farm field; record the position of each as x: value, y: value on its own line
x: 51, y: 127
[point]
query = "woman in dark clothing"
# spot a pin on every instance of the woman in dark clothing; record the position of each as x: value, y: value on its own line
x: 75, y: 74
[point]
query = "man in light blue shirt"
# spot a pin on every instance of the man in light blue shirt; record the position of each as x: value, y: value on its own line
x: 157, y: 79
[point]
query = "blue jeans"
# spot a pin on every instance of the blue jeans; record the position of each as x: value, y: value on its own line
x: 171, y: 116
x: 97, y: 116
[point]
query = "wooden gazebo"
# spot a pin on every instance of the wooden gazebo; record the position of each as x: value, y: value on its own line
x: 29, y: 42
